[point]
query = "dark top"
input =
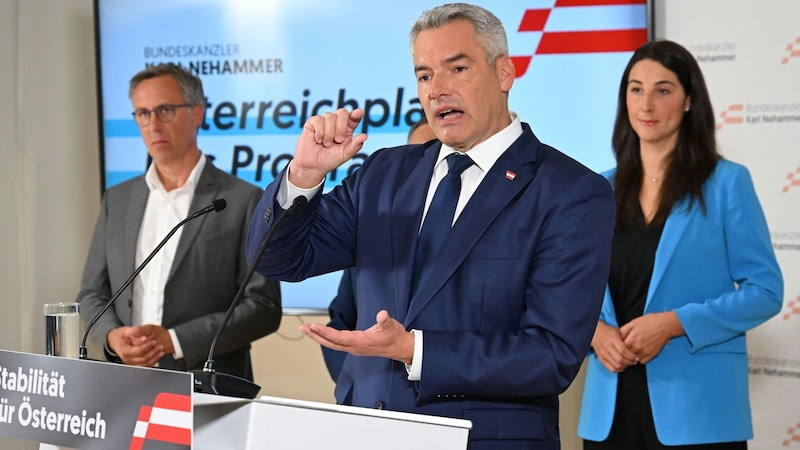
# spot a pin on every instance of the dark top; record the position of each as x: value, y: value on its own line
x: 633, y: 254
x: 343, y: 317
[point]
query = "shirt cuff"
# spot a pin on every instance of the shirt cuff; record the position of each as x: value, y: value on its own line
x: 415, y: 369
x: 287, y: 192
x: 107, y: 349
x: 176, y: 344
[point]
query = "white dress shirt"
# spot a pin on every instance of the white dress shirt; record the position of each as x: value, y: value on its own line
x: 164, y: 210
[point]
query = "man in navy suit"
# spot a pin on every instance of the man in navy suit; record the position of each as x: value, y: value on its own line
x: 498, y: 321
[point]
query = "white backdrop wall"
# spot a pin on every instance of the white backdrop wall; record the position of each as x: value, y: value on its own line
x: 750, y: 55
x: 49, y: 176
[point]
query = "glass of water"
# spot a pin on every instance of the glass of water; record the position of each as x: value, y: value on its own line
x: 62, y: 324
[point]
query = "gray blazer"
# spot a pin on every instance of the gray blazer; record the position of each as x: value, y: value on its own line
x: 205, y: 276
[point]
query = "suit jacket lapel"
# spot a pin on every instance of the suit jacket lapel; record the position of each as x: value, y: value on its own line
x: 416, y: 173
x: 204, y: 193
x: 133, y: 222
x: 674, y: 228
x: 489, y: 200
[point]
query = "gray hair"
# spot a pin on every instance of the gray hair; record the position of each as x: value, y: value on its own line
x: 489, y: 31
x: 191, y: 86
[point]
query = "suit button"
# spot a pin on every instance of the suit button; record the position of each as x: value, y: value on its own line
x: 378, y: 404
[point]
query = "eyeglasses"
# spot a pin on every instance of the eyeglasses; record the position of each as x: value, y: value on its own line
x: 164, y: 113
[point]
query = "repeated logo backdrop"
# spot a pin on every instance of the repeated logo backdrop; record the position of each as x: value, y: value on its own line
x: 750, y: 55
x: 268, y: 66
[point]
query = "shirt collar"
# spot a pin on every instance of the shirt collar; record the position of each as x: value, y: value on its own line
x: 154, y: 183
x: 488, y: 152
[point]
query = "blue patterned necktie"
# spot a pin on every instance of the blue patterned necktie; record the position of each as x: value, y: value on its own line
x: 440, y: 215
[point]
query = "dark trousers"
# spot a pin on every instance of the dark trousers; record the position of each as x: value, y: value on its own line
x: 633, y: 427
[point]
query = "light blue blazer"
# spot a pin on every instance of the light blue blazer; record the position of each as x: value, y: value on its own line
x: 718, y: 272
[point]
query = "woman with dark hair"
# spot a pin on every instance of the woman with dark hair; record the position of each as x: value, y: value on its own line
x: 692, y: 269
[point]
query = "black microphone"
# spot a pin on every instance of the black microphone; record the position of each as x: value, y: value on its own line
x: 208, y: 380
x: 217, y: 205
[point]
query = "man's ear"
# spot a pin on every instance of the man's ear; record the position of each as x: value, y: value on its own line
x: 197, y: 115
x: 506, y: 72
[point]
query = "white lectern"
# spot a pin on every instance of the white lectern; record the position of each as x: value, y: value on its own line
x: 278, y: 423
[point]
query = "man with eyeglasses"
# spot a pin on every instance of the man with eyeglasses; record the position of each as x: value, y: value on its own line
x: 170, y: 316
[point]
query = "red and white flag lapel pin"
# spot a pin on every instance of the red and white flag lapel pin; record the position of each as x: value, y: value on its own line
x: 510, y: 175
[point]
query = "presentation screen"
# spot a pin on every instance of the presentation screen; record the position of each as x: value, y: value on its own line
x: 267, y: 66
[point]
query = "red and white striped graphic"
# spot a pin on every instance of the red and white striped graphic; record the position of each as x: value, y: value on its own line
x: 555, y: 40
x: 794, y: 435
x: 168, y: 420
x: 794, y: 50
x: 792, y: 308
x: 731, y: 115
x: 794, y: 180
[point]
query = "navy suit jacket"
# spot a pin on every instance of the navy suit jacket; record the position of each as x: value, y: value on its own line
x: 344, y: 316
x: 507, y: 307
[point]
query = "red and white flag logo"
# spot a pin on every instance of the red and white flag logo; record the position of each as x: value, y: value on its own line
x: 734, y: 114
x: 570, y: 27
x: 794, y: 51
x: 168, y: 420
x: 793, y: 180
